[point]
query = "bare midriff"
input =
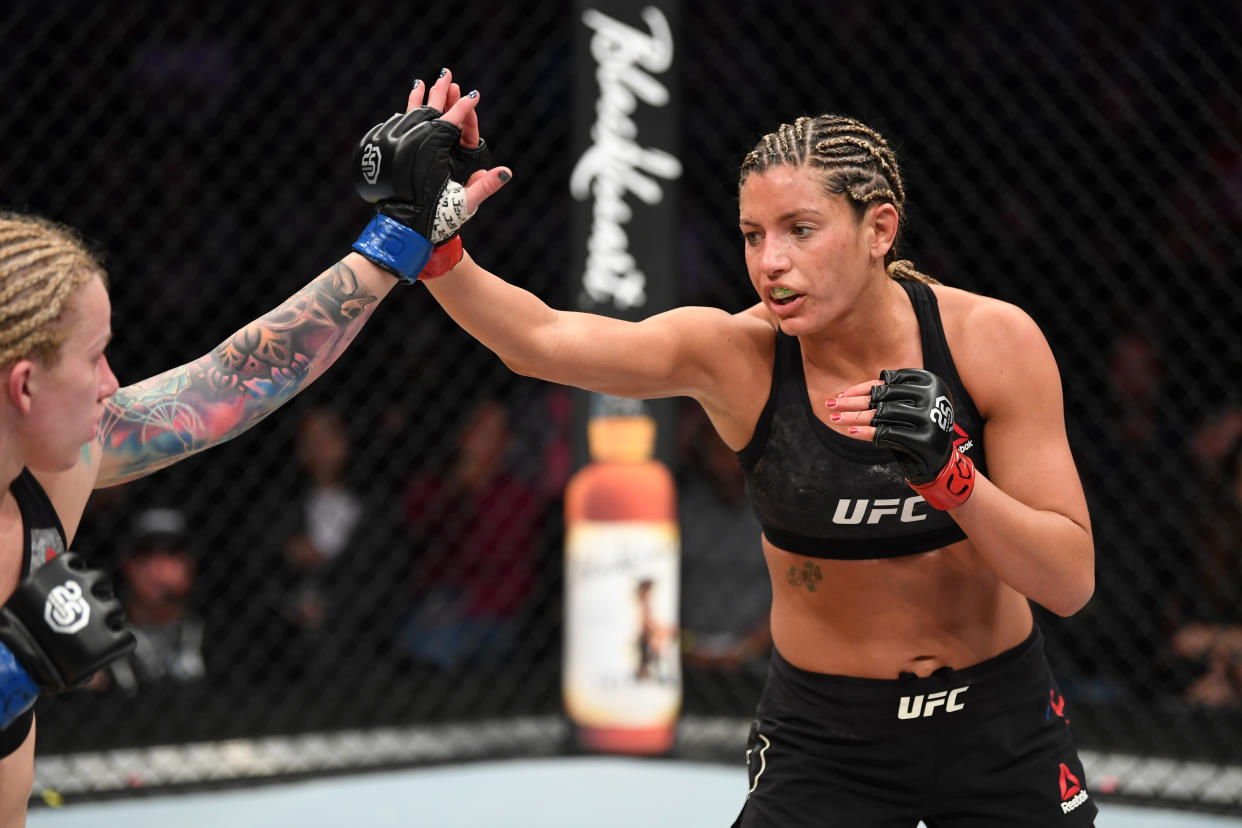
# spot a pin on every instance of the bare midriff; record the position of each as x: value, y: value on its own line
x: 878, y: 618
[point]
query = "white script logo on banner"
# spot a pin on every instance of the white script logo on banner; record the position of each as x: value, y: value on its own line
x: 615, y: 163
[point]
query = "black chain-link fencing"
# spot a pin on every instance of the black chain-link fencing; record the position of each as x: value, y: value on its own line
x: 385, y: 552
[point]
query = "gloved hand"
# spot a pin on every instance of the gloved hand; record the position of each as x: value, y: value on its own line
x: 59, y: 626
x: 465, y: 163
x: 406, y: 166
x: 914, y: 418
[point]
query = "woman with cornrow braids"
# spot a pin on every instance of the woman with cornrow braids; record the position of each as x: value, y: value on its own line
x: 66, y: 427
x: 905, y: 451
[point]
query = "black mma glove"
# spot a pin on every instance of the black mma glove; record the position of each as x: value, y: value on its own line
x: 466, y: 162
x: 406, y: 166
x: 914, y: 418
x: 463, y: 162
x: 59, y: 626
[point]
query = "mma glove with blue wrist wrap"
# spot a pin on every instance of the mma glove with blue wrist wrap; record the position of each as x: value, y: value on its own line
x: 914, y: 418
x: 407, y: 166
x: 58, y: 628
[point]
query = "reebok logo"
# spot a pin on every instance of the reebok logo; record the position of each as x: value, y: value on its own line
x: 962, y: 441
x: 1056, y: 705
x: 1072, y: 792
x: 850, y: 512
x: 912, y: 707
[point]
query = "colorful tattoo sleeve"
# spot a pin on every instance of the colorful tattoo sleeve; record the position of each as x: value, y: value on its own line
x: 160, y: 420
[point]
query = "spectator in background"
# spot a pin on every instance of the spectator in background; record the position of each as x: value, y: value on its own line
x: 475, y: 527
x: 1142, y: 521
x: 338, y: 560
x: 725, y: 589
x: 329, y: 514
x: 1208, y: 633
x: 157, y: 572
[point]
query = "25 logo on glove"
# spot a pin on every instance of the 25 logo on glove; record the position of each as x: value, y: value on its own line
x: 371, y: 158
x: 66, y: 610
x: 942, y: 413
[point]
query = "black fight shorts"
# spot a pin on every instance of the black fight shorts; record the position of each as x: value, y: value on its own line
x: 14, y: 736
x: 984, y: 747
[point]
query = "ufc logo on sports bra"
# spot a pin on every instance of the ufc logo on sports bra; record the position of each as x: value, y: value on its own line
x: 912, y: 707
x: 864, y: 510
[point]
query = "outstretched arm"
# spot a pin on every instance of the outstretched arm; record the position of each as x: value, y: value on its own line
x: 161, y: 420
x: 165, y: 418
x: 180, y: 412
x: 685, y: 351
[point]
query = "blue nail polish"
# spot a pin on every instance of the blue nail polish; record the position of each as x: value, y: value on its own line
x: 443, y: 72
x: 503, y: 176
x: 473, y: 94
x: 416, y: 83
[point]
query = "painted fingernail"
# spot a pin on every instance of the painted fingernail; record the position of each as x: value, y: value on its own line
x: 474, y: 93
x: 830, y: 403
x: 853, y: 429
x: 443, y: 72
x: 416, y: 83
x: 836, y: 418
x: 503, y: 176
x: 842, y: 394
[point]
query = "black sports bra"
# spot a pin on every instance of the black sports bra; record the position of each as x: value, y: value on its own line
x: 43, y: 536
x: 823, y: 494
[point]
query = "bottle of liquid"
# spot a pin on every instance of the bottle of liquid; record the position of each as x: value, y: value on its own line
x: 621, y: 677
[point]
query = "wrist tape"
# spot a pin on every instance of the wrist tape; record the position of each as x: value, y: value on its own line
x: 443, y: 259
x: 394, y: 247
x: 952, y: 486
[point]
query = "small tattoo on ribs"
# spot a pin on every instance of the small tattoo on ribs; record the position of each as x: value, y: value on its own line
x: 807, y: 575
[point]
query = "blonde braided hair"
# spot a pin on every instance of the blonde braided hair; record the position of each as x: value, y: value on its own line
x: 42, y: 264
x: 851, y: 159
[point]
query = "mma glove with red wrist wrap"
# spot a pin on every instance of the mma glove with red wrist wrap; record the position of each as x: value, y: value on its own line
x: 409, y: 167
x: 914, y: 418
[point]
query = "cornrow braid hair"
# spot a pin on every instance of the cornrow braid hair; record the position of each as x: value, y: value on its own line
x: 851, y: 159
x: 42, y: 264
x: 903, y: 270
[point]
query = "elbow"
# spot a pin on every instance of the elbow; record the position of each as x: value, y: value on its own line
x: 523, y: 355
x: 1076, y: 592
x: 1076, y: 584
x: 525, y: 368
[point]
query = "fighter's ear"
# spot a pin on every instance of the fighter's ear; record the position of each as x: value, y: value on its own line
x: 882, y: 220
x: 19, y: 384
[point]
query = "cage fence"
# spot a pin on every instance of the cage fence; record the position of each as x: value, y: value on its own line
x: 1083, y: 161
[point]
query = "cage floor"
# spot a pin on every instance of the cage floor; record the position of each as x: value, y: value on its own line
x: 532, y: 793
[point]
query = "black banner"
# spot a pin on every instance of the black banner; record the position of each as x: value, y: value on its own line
x: 626, y: 171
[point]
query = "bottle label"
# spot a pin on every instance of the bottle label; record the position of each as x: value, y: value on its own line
x: 622, y: 662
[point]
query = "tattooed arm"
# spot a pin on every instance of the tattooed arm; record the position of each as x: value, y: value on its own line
x: 163, y: 419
